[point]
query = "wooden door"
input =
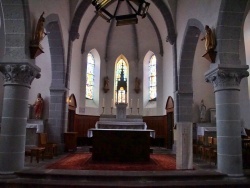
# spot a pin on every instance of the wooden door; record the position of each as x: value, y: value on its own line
x: 170, y: 122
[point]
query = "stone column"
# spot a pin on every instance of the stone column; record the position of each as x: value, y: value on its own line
x: 226, y: 80
x: 17, y: 81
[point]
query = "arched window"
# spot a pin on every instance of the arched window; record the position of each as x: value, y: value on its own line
x: 152, y: 78
x: 121, y: 80
x: 90, y: 76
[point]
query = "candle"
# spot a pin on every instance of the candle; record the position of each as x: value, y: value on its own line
x: 103, y: 102
x: 138, y: 102
x: 112, y: 103
x: 131, y: 102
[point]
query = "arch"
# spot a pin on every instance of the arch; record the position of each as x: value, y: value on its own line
x: 72, y: 102
x: 169, y: 105
x: 229, y: 28
x: 2, y: 30
x: 58, y: 92
x: 185, y: 88
x: 118, y: 84
x: 191, y: 36
x: 53, y: 28
x: 168, y: 20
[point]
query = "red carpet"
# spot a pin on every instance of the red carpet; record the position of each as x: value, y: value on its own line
x: 83, y: 161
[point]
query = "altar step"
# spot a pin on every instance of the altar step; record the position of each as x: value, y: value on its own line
x: 71, y: 178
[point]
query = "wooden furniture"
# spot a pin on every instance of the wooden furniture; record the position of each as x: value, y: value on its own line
x: 70, y: 141
x: 121, y: 145
x: 37, y: 152
x: 50, y: 148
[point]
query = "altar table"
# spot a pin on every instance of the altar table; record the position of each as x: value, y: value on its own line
x: 121, y: 145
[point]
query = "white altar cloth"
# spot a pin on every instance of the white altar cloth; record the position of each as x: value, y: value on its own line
x: 152, y: 132
x: 120, y: 125
x: 37, y: 124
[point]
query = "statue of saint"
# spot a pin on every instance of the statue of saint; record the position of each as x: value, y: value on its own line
x: 39, y: 33
x: 202, y: 111
x: 38, y: 106
x: 106, y: 84
x: 137, y: 85
x: 209, y: 38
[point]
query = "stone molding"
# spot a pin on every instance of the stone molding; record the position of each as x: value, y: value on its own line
x: 19, y: 73
x: 226, y: 77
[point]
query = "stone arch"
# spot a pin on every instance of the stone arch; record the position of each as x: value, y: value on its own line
x: 229, y: 28
x: 185, y: 88
x: 57, y: 107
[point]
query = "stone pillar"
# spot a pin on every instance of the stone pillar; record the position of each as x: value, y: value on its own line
x: 226, y: 80
x: 17, y: 80
x: 184, y: 152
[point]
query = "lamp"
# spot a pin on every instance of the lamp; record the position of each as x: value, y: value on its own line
x: 141, y: 10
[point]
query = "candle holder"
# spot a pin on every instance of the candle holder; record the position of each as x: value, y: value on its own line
x: 138, y: 111
x: 131, y: 111
x: 111, y: 110
x: 103, y: 110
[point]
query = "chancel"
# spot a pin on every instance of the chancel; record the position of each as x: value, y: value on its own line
x: 126, y: 77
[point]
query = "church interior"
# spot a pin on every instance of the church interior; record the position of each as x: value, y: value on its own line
x: 122, y: 80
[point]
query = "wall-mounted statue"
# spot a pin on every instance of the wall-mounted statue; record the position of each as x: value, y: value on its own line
x: 137, y: 85
x: 106, y: 84
x: 38, y: 106
x: 35, y: 46
x: 210, y: 44
x: 203, y: 110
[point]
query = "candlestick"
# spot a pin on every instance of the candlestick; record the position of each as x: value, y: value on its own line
x: 131, y: 111
x: 111, y: 103
x: 103, y: 102
x: 138, y: 111
x: 138, y: 102
x: 102, y: 110
x: 131, y: 102
x: 111, y: 110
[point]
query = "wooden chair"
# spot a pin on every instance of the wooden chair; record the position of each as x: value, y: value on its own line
x: 213, y: 152
x: 201, y: 146
x: 50, y: 148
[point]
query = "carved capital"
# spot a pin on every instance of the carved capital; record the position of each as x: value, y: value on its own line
x: 224, y: 78
x: 18, y: 73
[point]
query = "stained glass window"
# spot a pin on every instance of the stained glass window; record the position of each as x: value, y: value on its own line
x: 152, y: 78
x: 90, y: 76
x: 121, y: 74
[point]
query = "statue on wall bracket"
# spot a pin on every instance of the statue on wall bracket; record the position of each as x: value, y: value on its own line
x: 35, y: 47
x: 137, y: 85
x: 210, y: 44
x: 106, y: 84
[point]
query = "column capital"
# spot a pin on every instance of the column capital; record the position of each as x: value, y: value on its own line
x: 225, y: 77
x: 19, y: 73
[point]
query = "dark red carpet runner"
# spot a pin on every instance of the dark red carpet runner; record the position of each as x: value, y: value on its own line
x: 83, y: 161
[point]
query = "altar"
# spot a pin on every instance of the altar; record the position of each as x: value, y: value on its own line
x: 121, y: 138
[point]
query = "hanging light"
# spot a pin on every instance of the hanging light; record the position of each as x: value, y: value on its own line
x: 141, y: 10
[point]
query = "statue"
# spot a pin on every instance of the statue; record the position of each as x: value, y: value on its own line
x: 137, y: 85
x: 40, y: 33
x: 38, y: 106
x: 210, y: 44
x: 35, y: 46
x: 209, y: 38
x: 106, y: 84
x: 202, y: 111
